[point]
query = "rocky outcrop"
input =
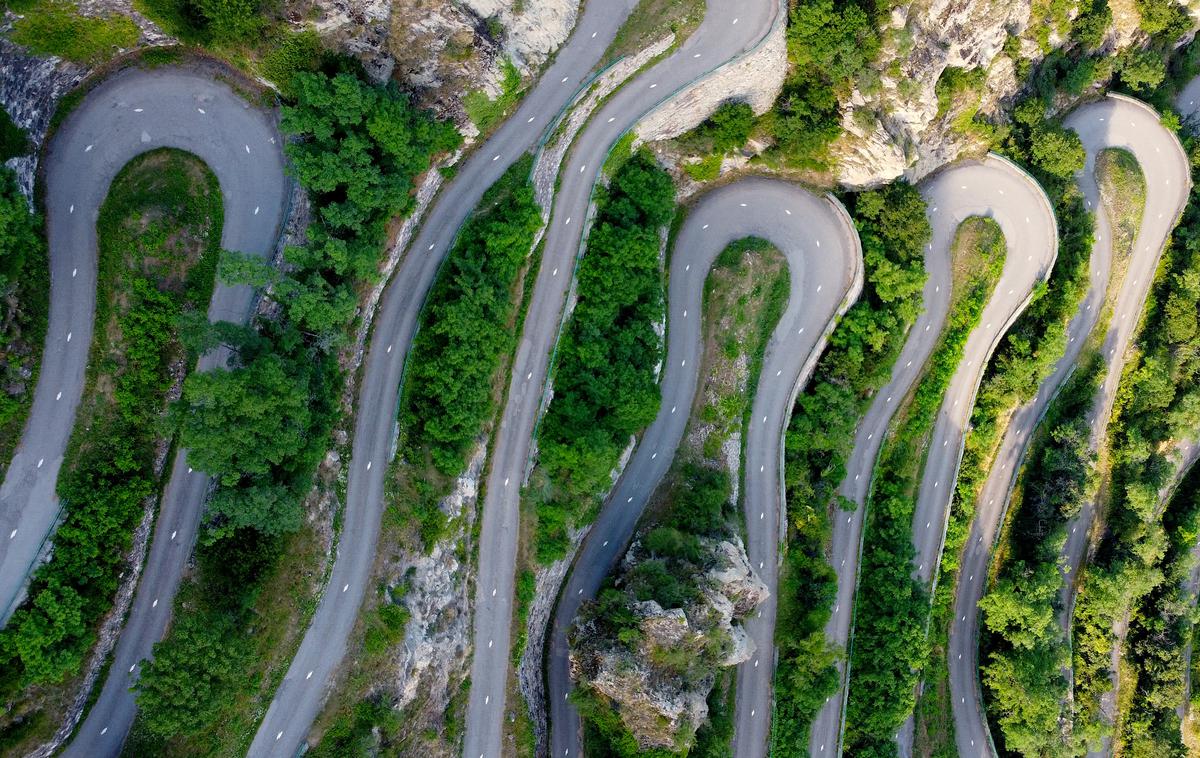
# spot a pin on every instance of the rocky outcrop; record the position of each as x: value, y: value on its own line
x: 658, y: 670
x: 893, y: 127
x: 443, y: 50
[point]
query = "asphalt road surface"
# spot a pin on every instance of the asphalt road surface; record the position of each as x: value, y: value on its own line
x: 998, y: 189
x: 302, y: 692
x: 1112, y: 122
x: 131, y: 113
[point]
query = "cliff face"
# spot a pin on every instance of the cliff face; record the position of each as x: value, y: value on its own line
x: 659, y: 668
x: 445, y: 48
x: 892, y: 125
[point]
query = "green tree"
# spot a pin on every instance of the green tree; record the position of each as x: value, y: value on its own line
x: 181, y: 689
x: 1141, y: 70
x: 245, y: 420
x: 271, y: 509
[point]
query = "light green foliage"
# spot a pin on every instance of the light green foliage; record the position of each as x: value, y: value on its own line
x: 486, y: 112
x: 1141, y: 70
x: 468, y: 326
x: 604, y: 384
x: 705, y: 170
x: 219, y: 22
x: 894, y: 231
x: 1163, y: 18
x: 53, y: 27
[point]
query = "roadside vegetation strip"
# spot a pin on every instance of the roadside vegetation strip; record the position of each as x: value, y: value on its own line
x: 457, y: 369
x: 692, y: 510
x: 1025, y: 651
x: 605, y: 385
x: 24, y: 308
x: 159, y: 236
x: 894, y: 230
x: 892, y: 606
x: 1161, y: 633
x: 1157, y: 404
x: 261, y: 426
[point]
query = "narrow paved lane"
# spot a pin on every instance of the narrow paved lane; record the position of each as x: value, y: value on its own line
x: 998, y: 189
x: 825, y: 263
x: 1114, y: 122
x: 131, y: 113
x: 304, y: 688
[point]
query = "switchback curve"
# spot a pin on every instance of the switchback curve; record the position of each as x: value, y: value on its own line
x: 132, y: 112
x: 1113, y: 122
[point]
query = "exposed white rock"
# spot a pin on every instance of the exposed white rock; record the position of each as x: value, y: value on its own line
x: 658, y: 702
x: 437, y: 638
x: 894, y: 128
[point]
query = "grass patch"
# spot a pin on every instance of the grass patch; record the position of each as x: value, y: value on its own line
x: 1123, y: 192
x: 487, y: 112
x: 159, y: 238
x: 53, y: 27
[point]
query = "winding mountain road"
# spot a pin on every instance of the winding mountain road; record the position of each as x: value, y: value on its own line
x: 825, y: 264
x: 1000, y: 190
x: 1113, y: 122
x: 305, y: 686
x: 993, y: 187
x: 130, y: 113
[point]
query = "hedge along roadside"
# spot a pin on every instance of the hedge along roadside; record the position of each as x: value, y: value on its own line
x: 893, y: 230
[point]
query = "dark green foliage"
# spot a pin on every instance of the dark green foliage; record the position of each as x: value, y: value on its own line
x: 353, y: 734
x: 153, y: 204
x: 13, y: 140
x: 361, y: 149
x: 246, y: 421
x: 1092, y: 23
x: 726, y: 129
x: 24, y: 305
x: 894, y: 231
x: 469, y: 325
x: 828, y: 46
x: 179, y: 689
x: 604, y: 384
x: 1160, y: 629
